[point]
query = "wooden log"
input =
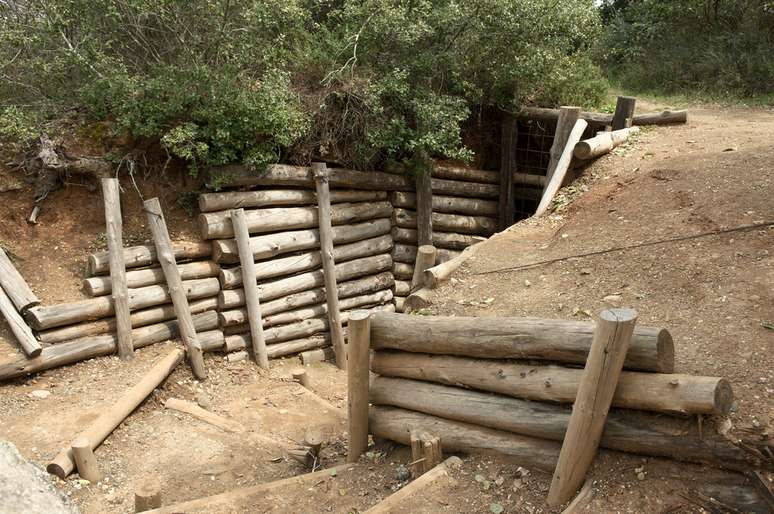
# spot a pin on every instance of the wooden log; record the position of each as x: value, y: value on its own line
x: 564, y: 126
x: 624, y: 431
x: 190, y: 408
x: 209, y: 202
x: 508, y: 138
x: 426, y: 256
x: 400, y: 303
x: 63, y: 464
x: 19, y: 328
x: 232, y: 277
x: 402, y: 288
x: 661, y: 118
x: 417, y: 454
x: 596, y: 388
x: 671, y: 393
x: 465, y: 174
x: 166, y: 258
x: 528, y: 179
x: 145, y: 255
x: 408, y: 254
x: 397, y: 501
x: 624, y: 112
x: 310, y: 357
x: 553, y: 185
x: 602, y: 143
x: 98, y: 286
x: 214, y: 225
x: 250, y: 288
x: 440, y: 273
x: 418, y: 300
x: 357, y: 383
x: 396, y: 424
x: 315, y: 310
x: 111, y: 194
x: 403, y: 271
x: 268, y: 246
x: 652, y: 348
x: 424, y: 201
x: 595, y: 118
x: 448, y: 222
x: 299, y: 375
x: 50, y: 316
x: 147, y: 495
x: 447, y: 204
x: 441, y: 240
x: 85, y: 461
x: 212, y: 340
x: 15, y: 286
x: 295, y: 346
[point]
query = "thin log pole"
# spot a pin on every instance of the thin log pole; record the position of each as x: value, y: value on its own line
x: 251, y: 287
x: 111, y: 193
x: 562, y: 166
x: 424, y: 209
x: 85, y: 461
x: 509, y: 132
x: 19, y: 327
x: 612, y: 336
x: 357, y: 383
x: 426, y: 257
x: 624, y: 112
x: 15, y: 286
x: 564, y: 125
x: 167, y: 260
x: 396, y: 502
x: 320, y: 172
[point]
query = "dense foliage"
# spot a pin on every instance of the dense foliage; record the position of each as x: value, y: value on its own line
x: 256, y: 81
x: 716, y: 47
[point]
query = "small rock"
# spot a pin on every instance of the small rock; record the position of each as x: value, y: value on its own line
x: 499, y: 481
x: 613, y: 300
x: 40, y: 393
x: 518, y: 484
x: 641, y: 476
x: 527, y: 283
x: 203, y: 401
x: 585, y: 271
x: 402, y: 473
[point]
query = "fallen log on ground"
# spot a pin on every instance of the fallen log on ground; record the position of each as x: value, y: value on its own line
x: 441, y: 240
x: 602, y: 119
x: 271, y: 245
x: 19, y: 328
x: 15, y: 286
x: 63, y: 464
x: 210, y: 202
x: 670, y: 393
x: 145, y: 255
x: 192, y: 409
x: 408, y: 254
x: 602, y: 143
x: 448, y: 204
x: 624, y: 431
x: 98, y: 286
x: 652, y: 348
x: 477, y: 225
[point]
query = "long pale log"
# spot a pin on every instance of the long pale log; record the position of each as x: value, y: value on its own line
x: 322, y: 308
x: 445, y: 240
x: 529, y: 179
x: 98, y: 286
x: 209, y: 202
x: 448, y: 222
x: 15, y: 286
x: 418, y: 300
x: 447, y: 204
x: 21, y: 331
x: 408, y: 254
x: 232, y: 277
x: 214, y: 225
x: 63, y: 464
x: 396, y: 424
x: 192, y: 409
x: 671, y: 393
x: 661, y: 118
x: 138, y: 318
x: 145, y: 255
x: 602, y: 143
x: 595, y: 118
x: 295, y: 346
x: 552, y: 187
x: 624, y: 430
x: 267, y: 246
x: 358, y: 351
x: 403, y: 270
x: 652, y: 348
x: 564, y: 125
x: 98, y: 346
x: 50, y: 316
x: 426, y: 257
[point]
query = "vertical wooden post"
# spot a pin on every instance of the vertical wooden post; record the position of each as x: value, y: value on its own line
x: 299, y: 375
x: 239, y: 221
x: 564, y: 125
x: 624, y: 112
x: 320, y: 172
x: 85, y: 461
x: 179, y: 301
x: 612, y: 336
x: 426, y: 257
x: 147, y: 496
x: 111, y: 194
x: 424, y: 208
x: 561, y: 168
x: 508, y: 137
x: 357, y: 382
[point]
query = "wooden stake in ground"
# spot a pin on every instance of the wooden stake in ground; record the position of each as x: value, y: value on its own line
x: 111, y: 193
x: 147, y: 496
x: 553, y: 185
x: 426, y: 257
x: 19, y: 327
x: 63, y: 464
x: 320, y: 172
x: 564, y: 125
x: 167, y: 260
x: 250, y: 286
x: 15, y: 286
x: 299, y: 375
x: 509, y: 133
x: 612, y: 336
x: 357, y: 382
x: 424, y: 208
x: 624, y: 112
x: 85, y: 462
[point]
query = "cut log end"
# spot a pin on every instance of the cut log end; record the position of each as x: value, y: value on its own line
x: 724, y: 397
x: 56, y: 470
x: 665, y: 346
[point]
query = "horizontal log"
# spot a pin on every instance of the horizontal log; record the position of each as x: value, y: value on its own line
x: 50, y: 316
x: 528, y: 179
x: 435, y: 276
x: 408, y: 253
x: 661, y: 118
x: 209, y: 202
x: 138, y: 319
x: 214, y: 225
x: 271, y: 245
x: 596, y: 118
x: 624, y: 431
x: 99, y: 286
x: 478, y: 225
x: 402, y: 271
x: 602, y: 143
x: 402, y: 288
x: 447, y: 204
x: 466, y: 174
x: 15, y: 286
x: 443, y: 240
x: 97, y: 346
x: 671, y: 393
x: 651, y: 349
x: 232, y: 277
x: 145, y: 255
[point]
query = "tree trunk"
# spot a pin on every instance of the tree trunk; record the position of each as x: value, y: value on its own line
x: 15, y: 286
x: 19, y: 328
x: 448, y: 204
x: 98, y: 286
x: 210, y: 202
x: 443, y: 240
x: 448, y: 222
x: 602, y: 143
x: 552, y: 187
x: 145, y: 255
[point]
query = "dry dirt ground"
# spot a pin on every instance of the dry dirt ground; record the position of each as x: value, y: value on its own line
x: 712, y: 293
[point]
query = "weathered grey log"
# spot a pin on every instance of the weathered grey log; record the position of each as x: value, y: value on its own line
x: 396, y: 424
x: 310, y: 357
x: 21, y: 331
x: 209, y: 202
x: 466, y: 174
x: 661, y: 118
x: 562, y: 166
x: 267, y: 246
x: 232, y: 277
x: 444, y: 240
x: 400, y: 303
x: 322, y: 309
x: 424, y: 209
x: 602, y: 143
x: 145, y: 255
x: 214, y: 225
x: 358, y: 352
x: 98, y: 286
x: 448, y: 222
x: 90, y: 347
x: 447, y: 204
x: 408, y: 254
x: 624, y: 430
x: 564, y: 125
x: 528, y: 179
x: 15, y: 286
x: 403, y: 270
x: 138, y: 318
x: 50, y: 316
x: 426, y: 257
x: 440, y: 273
x: 596, y: 118
x: 652, y: 348
x: 624, y: 112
